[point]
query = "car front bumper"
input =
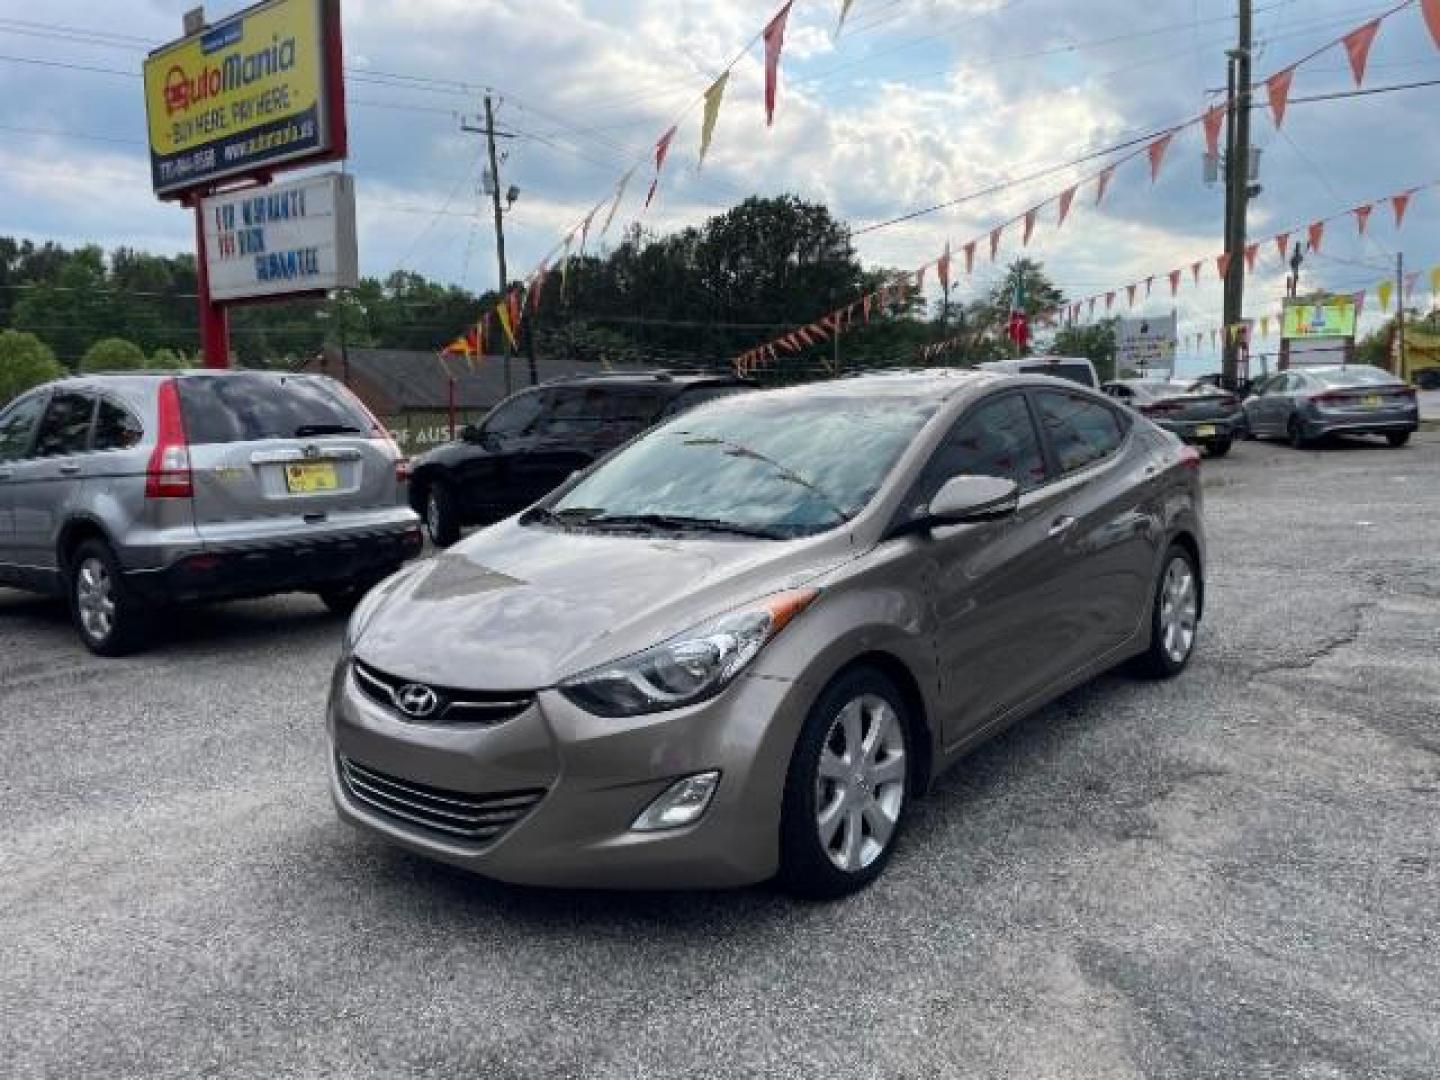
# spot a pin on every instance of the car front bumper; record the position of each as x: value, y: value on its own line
x: 593, y: 776
x: 297, y: 563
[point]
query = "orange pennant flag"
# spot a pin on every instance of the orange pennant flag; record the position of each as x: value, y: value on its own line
x: 1317, y: 233
x: 1066, y: 198
x: 1156, y: 151
x: 1195, y: 270
x: 969, y: 257
x: 1362, y: 216
x: 1029, y: 225
x: 1222, y: 265
x: 942, y: 267
x: 1130, y: 291
x: 1174, y: 282
x: 1357, y: 47
x: 1282, y: 245
x: 1214, y: 118
x: 1278, y: 88
x: 995, y: 241
x: 1252, y: 252
x: 1401, y: 202
x: 1431, y: 10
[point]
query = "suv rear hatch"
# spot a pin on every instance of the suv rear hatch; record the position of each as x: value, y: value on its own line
x: 275, y: 454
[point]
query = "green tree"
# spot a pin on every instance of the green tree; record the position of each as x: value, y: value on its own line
x: 113, y: 354
x: 163, y: 359
x: 1094, y: 341
x: 25, y: 361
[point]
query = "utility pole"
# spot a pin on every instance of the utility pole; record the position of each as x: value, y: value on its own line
x: 1399, y: 315
x: 1237, y: 190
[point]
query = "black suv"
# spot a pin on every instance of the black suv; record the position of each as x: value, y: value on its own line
x: 530, y: 443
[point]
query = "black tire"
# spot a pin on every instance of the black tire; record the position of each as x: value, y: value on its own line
x: 1296, y: 432
x: 1397, y: 438
x: 806, y: 869
x: 442, y: 515
x: 1158, y: 661
x: 109, y: 618
x: 1220, y: 447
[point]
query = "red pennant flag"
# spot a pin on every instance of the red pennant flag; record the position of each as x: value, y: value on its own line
x: 920, y: 279
x: 662, y: 150
x: 942, y: 268
x: 1174, y: 282
x: 1109, y: 300
x: 1156, y: 151
x: 538, y: 284
x: 804, y: 335
x: 1431, y: 10
x: 1029, y: 224
x: 1222, y: 265
x: 995, y: 241
x: 1214, y: 118
x: 1130, y: 291
x: 1066, y: 198
x: 1357, y: 47
x: 969, y: 257
x: 1102, y: 184
x: 1402, y: 201
x: 1278, y: 87
x: 1362, y: 216
x: 515, y: 303
x: 1252, y: 252
x: 819, y: 331
x: 774, y: 41
x: 1195, y: 270
x: 1282, y: 245
x: 785, y: 344
x: 1317, y: 233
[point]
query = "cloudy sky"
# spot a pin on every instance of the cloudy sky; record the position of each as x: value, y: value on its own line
x: 917, y: 102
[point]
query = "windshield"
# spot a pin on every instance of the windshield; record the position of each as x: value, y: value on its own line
x: 784, y: 467
x: 1360, y: 375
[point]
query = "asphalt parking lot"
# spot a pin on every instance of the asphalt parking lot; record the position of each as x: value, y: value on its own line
x: 1235, y: 874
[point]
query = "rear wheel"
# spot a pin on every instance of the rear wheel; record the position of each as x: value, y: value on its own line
x: 442, y: 517
x: 1174, y: 616
x: 1397, y: 438
x: 848, y: 787
x: 1219, y: 448
x: 109, y: 618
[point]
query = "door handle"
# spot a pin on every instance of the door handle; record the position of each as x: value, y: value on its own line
x: 69, y: 470
x: 1061, y: 524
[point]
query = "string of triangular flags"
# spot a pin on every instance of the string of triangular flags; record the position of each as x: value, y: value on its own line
x: 1357, y: 45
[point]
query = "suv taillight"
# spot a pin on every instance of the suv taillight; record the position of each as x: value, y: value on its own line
x: 168, y: 474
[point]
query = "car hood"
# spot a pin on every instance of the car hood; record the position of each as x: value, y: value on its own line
x: 523, y: 607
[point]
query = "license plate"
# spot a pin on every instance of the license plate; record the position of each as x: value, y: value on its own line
x: 1371, y: 401
x: 1205, y: 431
x: 310, y: 477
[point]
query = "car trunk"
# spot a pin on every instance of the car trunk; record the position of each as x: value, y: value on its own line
x: 273, y: 455
x: 1363, y: 399
x: 1192, y: 407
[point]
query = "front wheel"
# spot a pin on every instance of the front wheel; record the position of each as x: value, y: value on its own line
x: 1397, y: 438
x: 1296, y: 431
x: 847, y: 790
x: 110, y: 620
x: 1174, y: 616
x: 1219, y: 448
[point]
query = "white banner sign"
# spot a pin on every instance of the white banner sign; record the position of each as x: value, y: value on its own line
x: 296, y: 237
x: 1147, y: 345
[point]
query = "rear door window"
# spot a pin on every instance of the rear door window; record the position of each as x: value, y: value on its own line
x: 1081, y: 431
x: 116, y: 427
x: 17, y: 427
x: 66, y: 426
x: 254, y: 408
x: 577, y: 411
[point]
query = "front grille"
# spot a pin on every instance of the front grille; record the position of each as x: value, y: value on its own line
x: 452, y: 706
x: 483, y: 818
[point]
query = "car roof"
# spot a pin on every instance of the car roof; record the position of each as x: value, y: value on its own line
x: 678, y: 379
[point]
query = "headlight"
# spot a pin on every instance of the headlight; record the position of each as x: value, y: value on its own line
x: 690, y: 666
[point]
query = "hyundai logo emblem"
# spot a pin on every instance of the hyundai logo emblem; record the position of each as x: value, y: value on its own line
x: 416, y: 700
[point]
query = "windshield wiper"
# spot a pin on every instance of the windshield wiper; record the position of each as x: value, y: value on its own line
x: 306, y: 431
x: 685, y: 524
x: 783, y: 471
x: 571, y: 515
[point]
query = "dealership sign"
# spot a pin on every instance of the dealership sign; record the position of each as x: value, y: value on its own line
x: 1146, y: 344
x: 282, y: 239
x: 1328, y: 317
x: 246, y: 95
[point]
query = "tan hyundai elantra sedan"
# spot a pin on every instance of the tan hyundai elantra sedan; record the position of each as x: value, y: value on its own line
x: 739, y: 647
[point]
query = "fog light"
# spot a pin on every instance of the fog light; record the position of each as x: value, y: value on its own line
x: 682, y: 803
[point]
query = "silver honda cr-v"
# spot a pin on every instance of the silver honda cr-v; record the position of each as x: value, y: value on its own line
x: 740, y: 645
x: 126, y: 493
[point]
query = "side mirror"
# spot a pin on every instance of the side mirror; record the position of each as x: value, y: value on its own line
x: 964, y: 499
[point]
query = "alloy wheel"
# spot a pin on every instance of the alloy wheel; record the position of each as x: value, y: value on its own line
x: 1179, y: 610
x: 860, y: 783
x: 95, y: 599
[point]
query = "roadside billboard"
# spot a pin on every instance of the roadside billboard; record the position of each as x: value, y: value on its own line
x: 1147, y: 344
x: 1324, y: 317
x: 281, y: 239
x: 258, y: 90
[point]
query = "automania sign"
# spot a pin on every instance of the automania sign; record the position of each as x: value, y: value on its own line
x: 247, y: 94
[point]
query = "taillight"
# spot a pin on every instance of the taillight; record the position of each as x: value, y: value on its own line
x: 1405, y: 392
x: 402, y: 469
x: 1330, y: 399
x: 1155, y: 408
x: 168, y: 476
x: 1189, y: 457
